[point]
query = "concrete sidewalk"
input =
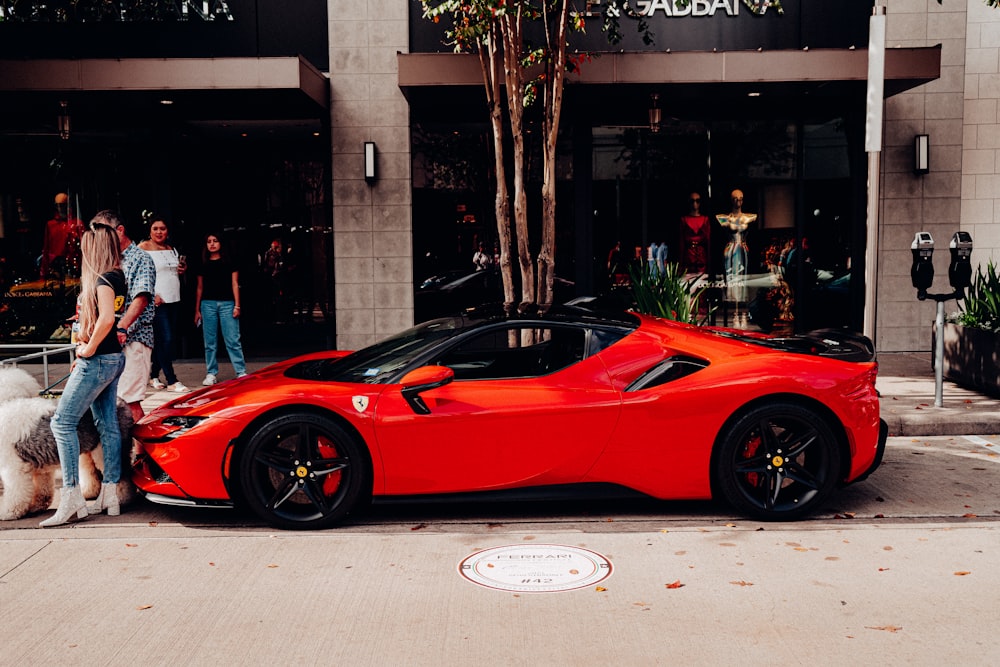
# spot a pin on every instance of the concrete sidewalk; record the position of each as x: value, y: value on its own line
x: 907, y: 387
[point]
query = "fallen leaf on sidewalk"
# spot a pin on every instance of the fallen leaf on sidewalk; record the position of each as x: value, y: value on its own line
x: 962, y: 573
x: 419, y: 526
x: 886, y: 628
x: 969, y: 515
x: 600, y: 589
x: 741, y: 583
x: 676, y: 584
x: 145, y: 606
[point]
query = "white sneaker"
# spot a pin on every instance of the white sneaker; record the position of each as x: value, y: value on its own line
x: 156, y: 384
x: 178, y: 388
x: 209, y: 380
x: 242, y: 375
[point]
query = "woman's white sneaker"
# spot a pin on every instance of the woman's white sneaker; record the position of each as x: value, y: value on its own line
x: 178, y: 388
x: 209, y: 380
x: 156, y: 384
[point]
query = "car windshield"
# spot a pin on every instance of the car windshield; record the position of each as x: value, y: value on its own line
x: 377, y: 363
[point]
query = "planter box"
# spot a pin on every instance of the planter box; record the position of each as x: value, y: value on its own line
x: 972, y: 358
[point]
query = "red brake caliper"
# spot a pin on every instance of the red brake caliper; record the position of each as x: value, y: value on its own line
x: 750, y: 450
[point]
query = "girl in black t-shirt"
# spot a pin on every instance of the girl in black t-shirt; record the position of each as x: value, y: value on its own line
x: 93, y: 381
x: 217, y: 306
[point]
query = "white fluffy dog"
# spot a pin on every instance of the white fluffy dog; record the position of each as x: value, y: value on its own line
x: 17, y: 383
x: 28, y: 455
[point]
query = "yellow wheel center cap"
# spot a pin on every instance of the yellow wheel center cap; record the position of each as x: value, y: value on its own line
x: 302, y: 471
x: 777, y: 461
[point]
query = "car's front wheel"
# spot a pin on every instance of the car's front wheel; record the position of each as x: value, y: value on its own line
x: 777, y: 462
x: 302, y: 471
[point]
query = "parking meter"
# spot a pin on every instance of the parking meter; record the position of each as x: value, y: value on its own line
x: 960, y: 269
x: 922, y: 270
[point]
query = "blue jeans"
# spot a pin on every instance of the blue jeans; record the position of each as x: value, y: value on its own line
x: 93, y: 385
x: 216, y: 315
x: 163, y: 345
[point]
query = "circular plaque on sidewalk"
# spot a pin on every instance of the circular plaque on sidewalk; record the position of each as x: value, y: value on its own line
x: 535, y: 568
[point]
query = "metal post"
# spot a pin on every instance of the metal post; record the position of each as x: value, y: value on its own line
x: 939, y: 356
x: 873, y: 146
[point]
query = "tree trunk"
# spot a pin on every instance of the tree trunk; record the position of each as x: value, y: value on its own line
x: 488, y: 59
x: 552, y: 97
x: 511, y: 29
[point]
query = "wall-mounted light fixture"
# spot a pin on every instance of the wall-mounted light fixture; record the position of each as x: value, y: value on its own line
x: 63, y: 119
x: 655, y: 113
x: 921, y: 154
x: 370, y: 161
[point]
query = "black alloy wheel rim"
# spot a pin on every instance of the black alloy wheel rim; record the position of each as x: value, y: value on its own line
x: 300, y: 474
x: 782, y: 464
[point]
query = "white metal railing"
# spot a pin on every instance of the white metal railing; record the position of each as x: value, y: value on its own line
x: 45, y: 350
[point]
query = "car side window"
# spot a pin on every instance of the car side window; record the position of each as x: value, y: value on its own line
x: 516, y: 352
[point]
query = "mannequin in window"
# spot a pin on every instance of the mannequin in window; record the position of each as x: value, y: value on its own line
x: 736, y: 254
x: 61, y: 245
x: 696, y: 233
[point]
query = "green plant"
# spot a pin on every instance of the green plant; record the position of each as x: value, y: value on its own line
x: 667, y: 293
x: 981, y: 305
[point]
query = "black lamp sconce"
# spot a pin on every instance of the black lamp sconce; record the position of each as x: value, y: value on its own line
x: 370, y: 162
x: 655, y: 113
x: 63, y: 120
x: 921, y: 154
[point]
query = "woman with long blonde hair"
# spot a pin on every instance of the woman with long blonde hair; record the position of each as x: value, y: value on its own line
x: 93, y: 381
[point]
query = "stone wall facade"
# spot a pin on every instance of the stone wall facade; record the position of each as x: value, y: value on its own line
x: 962, y: 191
x: 372, y: 222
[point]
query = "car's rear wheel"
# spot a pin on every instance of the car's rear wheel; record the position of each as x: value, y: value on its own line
x: 302, y: 471
x: 777, y: 462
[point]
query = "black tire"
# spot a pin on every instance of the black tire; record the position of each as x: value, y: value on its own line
x: 303, y: 472
x: 777, y: 462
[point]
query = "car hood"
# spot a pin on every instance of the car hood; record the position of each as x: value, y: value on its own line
x: 266, y: 387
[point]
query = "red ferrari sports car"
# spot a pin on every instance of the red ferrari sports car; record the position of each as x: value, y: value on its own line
x: 488, y: 402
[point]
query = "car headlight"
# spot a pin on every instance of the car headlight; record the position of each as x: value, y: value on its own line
x: 180, y: 425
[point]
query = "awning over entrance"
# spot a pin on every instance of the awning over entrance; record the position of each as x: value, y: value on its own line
x: 696, y: 76
x: 133, y: 91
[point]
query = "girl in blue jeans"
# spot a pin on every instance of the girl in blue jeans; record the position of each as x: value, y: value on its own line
x: 217, y: 306
x: 93, y: 381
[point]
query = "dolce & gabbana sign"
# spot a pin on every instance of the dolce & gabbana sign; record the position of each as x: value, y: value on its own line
x: 695, y: 25
x: 84, y: 11
x: 673, y: 8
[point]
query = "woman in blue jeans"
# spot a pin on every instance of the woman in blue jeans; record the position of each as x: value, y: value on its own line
x: 93, y: 382
x: 217, y: 306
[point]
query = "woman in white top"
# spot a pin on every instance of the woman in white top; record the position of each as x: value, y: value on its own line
x: 169, y: 268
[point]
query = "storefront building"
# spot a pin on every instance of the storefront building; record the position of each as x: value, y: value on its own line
x: 772, y: 105
x: 212, y: 116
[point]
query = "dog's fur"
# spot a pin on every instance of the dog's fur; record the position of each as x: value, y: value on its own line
x: 17, y: 383
x: 28, y: 454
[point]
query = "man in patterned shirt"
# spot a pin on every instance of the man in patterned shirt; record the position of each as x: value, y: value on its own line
x: 135, y: 328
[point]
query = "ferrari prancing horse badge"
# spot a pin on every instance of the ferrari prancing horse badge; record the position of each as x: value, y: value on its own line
x: 360, y: 403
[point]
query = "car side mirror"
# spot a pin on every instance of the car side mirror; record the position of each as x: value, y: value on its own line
x: 424, y: 379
